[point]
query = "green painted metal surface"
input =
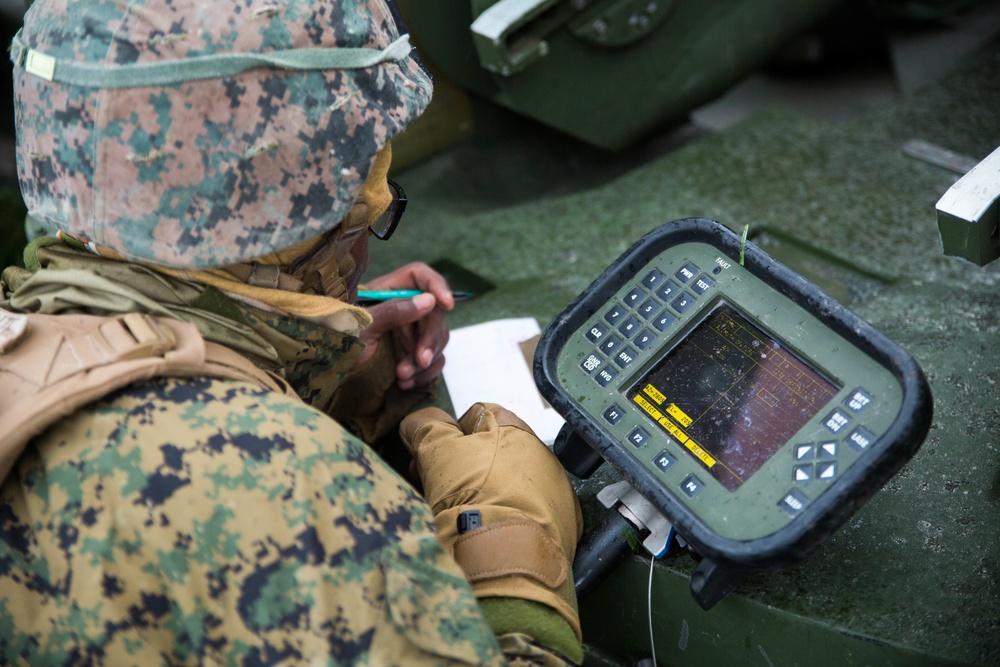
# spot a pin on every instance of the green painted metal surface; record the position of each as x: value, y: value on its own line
x: 608, y: 72
x: 912, y: 578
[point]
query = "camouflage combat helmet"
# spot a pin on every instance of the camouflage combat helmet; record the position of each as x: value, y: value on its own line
x: 200, y: 133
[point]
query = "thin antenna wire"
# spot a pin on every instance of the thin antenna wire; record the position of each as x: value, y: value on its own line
x: 649, y: 607
x: 743, y: 242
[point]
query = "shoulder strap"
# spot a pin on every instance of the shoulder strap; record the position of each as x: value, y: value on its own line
x: 52, y: 365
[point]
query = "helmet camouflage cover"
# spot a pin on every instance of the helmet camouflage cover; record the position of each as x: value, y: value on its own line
x: 201, y: 133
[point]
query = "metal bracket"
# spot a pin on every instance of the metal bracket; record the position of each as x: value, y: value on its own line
x: 619, y: 23
x: 709, y: 582
x: 510, y: 35
x: 500, y: 36
x: 641, y: 513
x: 968, y: 214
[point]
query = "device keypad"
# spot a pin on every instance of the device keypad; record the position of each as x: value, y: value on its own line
x: 614, y: 414
x: 638, y: 437
x: 610, y: 345
x: 664, y: 320
x: 820, y: 461
x: 591, y: 363
x: 793, y: 502
x: 664, y: 461
x: 837, y: 421
x: 702, y: 285
x: 596, y: 332
x: 653, y: 279
x: 648, y: 309
x: 615, y: 315
x: 625, y: 358
x: 629, y: 326
x: 668, y: 291
x: 692, y: 486
x: 815, y: 462
x: 605, y: 376
x: 635, y: 339
x: 687, y: 272
x: 644, y: 339
x: 858, y: 400
x: 660, y: 309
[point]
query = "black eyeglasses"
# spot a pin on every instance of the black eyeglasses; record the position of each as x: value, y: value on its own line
x: 386, y: 224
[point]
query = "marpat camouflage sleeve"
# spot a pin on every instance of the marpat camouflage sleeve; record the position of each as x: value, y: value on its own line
x: 208, y: 521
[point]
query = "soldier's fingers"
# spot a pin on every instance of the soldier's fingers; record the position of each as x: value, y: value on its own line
x: 422, y: 377
x: 396, y: 313
x: 433, y: 338
x: 417, y: 275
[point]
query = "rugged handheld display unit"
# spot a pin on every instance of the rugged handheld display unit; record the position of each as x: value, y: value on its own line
x: 752, y: 410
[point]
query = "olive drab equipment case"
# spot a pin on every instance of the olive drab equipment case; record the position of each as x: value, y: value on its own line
x: 608, y: 72
x: 52, y: 365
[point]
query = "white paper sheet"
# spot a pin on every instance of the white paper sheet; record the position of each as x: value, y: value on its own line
x: 485, y: 362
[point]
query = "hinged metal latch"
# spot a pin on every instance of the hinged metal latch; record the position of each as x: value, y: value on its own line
x: 511, y: 35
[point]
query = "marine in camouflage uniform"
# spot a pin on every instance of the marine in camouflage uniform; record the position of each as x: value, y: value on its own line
x: 221, y: 163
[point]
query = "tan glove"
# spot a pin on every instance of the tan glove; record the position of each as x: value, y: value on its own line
x: 491, y: 461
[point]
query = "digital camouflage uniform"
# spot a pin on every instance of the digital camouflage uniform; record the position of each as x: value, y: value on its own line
x: 186, y: 522
x: 201, y: 520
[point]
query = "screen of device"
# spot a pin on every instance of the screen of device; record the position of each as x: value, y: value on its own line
x: 731, y: 394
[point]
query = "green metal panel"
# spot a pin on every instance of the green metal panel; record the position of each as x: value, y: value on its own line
x: 737, y: 631
x: 606, y: 71
x: 912, y: 578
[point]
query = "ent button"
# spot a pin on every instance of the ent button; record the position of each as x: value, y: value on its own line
x: 625, y: 357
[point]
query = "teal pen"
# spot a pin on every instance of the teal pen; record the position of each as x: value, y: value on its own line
x: 386, y: 295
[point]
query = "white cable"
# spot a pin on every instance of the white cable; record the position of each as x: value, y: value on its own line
x: 649, y: 606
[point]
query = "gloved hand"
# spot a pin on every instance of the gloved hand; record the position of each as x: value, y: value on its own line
x: 491, y: 461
